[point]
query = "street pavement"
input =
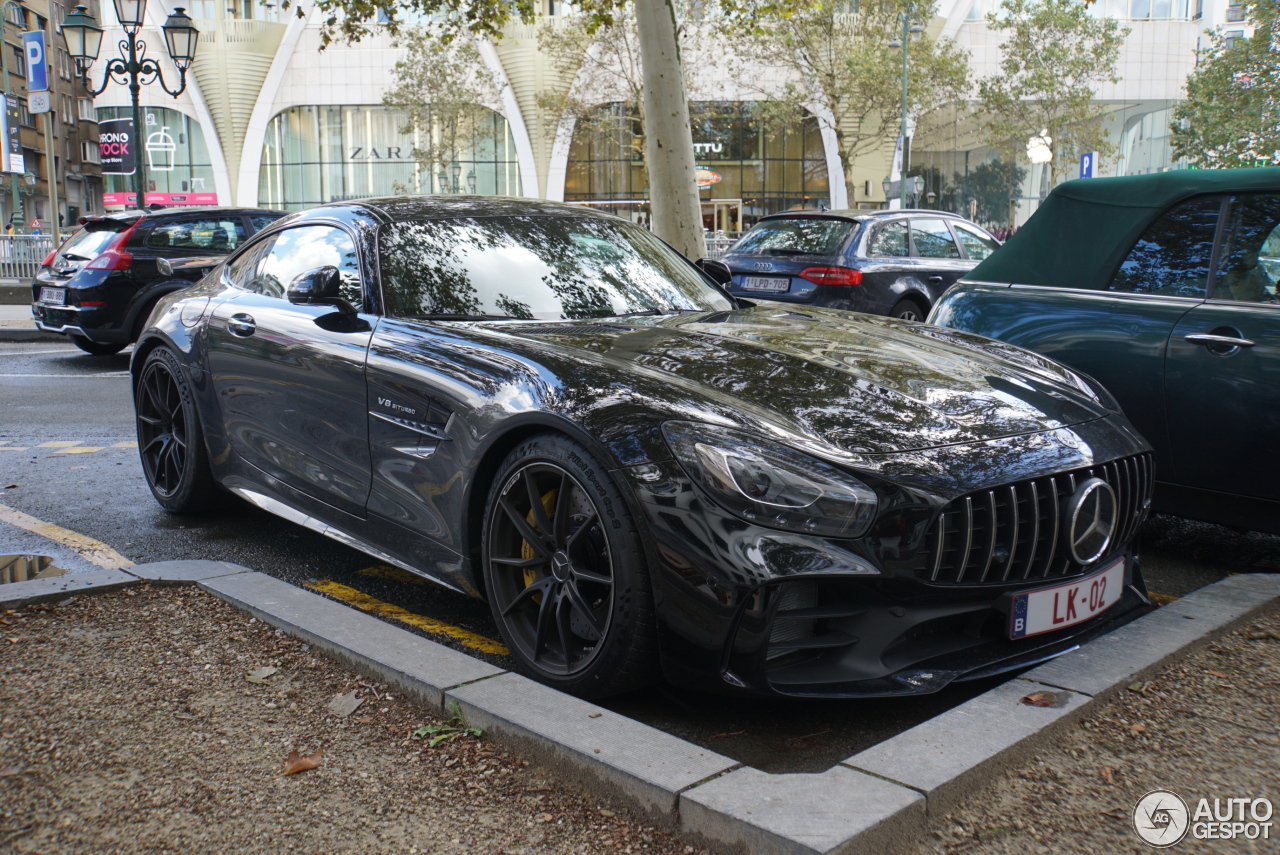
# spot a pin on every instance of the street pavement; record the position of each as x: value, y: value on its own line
x: 67, y: 457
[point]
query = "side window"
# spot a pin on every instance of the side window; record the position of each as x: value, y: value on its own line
x: 1249, y: 265
x: 976, y: 245
x: 242, y: 269
x: 258, y: 222
x: 933, y: 239
x: 295, y: 251
x: 1172, y: 257
x: 891, y: 240
x: 198, y: 235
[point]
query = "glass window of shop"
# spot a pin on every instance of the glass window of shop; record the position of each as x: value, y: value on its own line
x: 319, y: 154
x: 175, y: 159
x: 745, y: 169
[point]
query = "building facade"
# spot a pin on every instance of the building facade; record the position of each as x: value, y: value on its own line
x: 269, y: 118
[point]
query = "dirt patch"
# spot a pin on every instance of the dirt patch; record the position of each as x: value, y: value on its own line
x: 129, y: 723
x: 1207, y: 728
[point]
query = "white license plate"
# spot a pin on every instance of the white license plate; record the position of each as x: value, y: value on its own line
x: 765, y: 283
x: 1069, y: 603
x: 53, y: 296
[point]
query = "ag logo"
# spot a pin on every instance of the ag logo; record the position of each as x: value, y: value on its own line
x: 1161, y: 818
x: 1090, y: 520
x: 764, y: 266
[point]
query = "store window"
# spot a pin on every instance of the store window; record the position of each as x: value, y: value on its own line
x: 745, y: 170
x: 319, y: 154
x: 176, y: 162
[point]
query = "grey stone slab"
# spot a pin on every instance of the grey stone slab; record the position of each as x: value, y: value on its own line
x: 56, y: 587
x: 949, y: 756
x: 644, y: 766
x: 838, y: 811
x: 179, y: 572
x: 417, y: 666
x: 1151, y: 642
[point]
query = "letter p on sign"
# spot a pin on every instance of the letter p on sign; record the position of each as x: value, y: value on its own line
x: 37, y: 69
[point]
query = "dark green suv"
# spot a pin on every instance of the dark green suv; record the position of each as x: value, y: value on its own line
x: 1164, y: 288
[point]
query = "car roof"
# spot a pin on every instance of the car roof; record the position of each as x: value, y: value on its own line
x: 398, y: 208
x: 1085, y: 228
x: 858, y: 215
x: 130, y: 214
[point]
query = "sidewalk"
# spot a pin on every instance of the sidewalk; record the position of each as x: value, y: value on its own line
x: 16, y: 324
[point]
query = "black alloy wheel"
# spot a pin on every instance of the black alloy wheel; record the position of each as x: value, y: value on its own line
x: 170, y: 441
x: 566, y: 582
x: 96, y: 348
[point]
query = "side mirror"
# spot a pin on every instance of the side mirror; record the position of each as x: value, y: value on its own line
x: 717, y: 270
x: 319, y: 287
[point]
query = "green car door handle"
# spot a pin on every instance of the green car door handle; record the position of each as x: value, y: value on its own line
x: 1219, y: 340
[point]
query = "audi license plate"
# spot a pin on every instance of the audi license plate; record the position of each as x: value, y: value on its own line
x: 774, y: 284
x: 53, y: 296
x: 1070, y: 603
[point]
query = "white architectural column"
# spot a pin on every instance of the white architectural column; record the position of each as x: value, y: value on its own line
x: 515, y: 122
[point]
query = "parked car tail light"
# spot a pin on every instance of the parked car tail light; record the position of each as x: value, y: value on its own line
x: 113, y: 256
x: 48, y: 259
x: 832, y: 275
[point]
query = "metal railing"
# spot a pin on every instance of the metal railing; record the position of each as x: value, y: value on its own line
x: 20, y: 255
x: 719, y: 242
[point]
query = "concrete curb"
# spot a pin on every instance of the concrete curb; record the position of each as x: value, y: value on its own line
x: 17, y: 594
x: 877, y: 801
x: 11, y: 334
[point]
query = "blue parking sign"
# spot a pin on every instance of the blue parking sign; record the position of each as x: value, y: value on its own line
x: 37, y: 68
x: 1088, y: 163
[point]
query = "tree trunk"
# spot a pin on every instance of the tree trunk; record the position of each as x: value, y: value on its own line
x: 673, y: 186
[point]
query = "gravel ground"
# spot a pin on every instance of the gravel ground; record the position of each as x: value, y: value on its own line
x: 1206, y: 728
x: 127, y: 725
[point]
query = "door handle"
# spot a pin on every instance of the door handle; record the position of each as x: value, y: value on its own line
x: 936, y: 280
x: 241, y: 325
x: 1208, y: 339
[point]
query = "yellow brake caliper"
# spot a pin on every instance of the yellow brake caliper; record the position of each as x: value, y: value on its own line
x: 526, y: 548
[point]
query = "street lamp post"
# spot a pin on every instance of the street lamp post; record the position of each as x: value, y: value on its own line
x: 909, y: 29
x: 133, y: 67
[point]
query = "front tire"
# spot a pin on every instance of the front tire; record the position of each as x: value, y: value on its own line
x: 565, y: 571
x: 96, y: 348
x: 170, y: 440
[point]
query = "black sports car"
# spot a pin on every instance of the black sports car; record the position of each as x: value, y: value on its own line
x: 549, y: 408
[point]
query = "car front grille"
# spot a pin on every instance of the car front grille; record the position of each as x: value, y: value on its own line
x: 1012, y: 533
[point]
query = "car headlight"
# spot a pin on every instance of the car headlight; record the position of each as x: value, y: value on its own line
x: 772, y: 485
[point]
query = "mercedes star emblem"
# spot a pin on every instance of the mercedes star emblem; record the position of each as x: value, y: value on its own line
x: 1090, y: 520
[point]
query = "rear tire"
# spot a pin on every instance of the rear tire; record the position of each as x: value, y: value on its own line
x: 908, y: 309
x: 565, y: 571
x: 96, y: 348
x: 170, y: 439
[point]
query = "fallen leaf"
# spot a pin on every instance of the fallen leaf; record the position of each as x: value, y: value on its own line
x: 260, y: 675
x: 296, y: 762
x: 11, y: 640
x: 8, y: 771
x: 596, y: 750
x: 344, y: 705
x: 1136, y: 687
x: 1046, y: 699
x: 545, y: 817
x: 11, y: 487
x: 450, y: 762
x: 1108, y: 775
x: 595, y: 715
x: 1137, y: 728
x: 604, y: 812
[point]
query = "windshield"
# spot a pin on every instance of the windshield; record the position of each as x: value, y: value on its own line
x: 535, y: 267
x: 794, y: 235
x: 85, y: 244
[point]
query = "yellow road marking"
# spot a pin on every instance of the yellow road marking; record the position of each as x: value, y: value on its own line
x: 59, y: 443
x: 395, y: 574
x: 124, y: 445
x: 79, y: 449
x: 14, y: 447
x: 93, y: 551
x: 352, y: 597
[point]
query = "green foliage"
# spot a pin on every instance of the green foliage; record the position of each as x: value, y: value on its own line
x: 439, y: 85
x: 1053, y: 56
x: 452, y: 729
x: 1232, y: 113
x: 836, y: 52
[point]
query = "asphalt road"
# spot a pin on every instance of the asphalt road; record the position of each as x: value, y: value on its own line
x: 66, y: 457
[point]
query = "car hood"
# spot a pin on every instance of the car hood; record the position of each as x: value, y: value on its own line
x: 865, y: 384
